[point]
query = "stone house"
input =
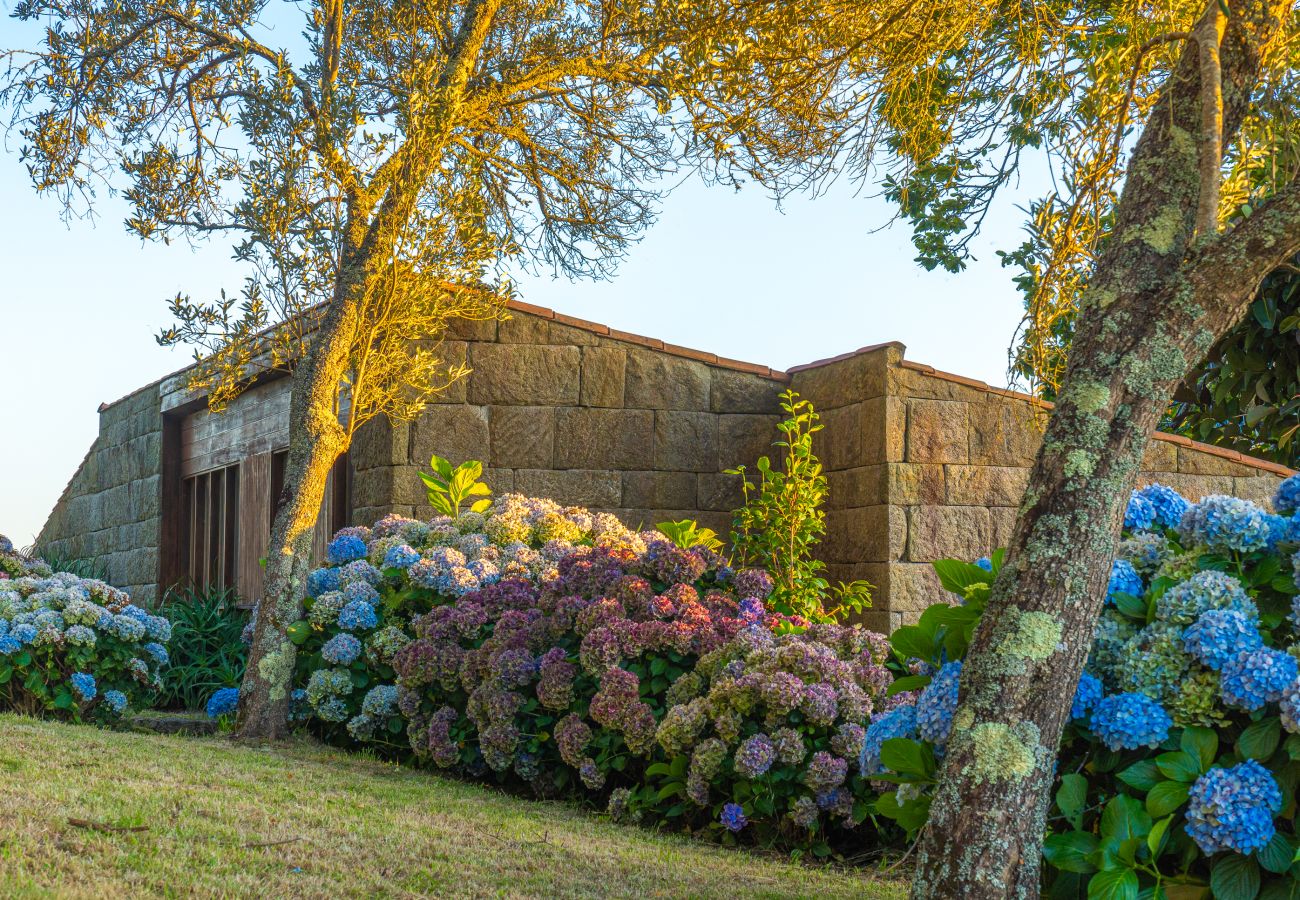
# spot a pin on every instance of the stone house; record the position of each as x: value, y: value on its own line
x: 921, y: 464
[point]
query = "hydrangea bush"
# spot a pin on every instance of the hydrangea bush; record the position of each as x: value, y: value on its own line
x: 1181, y: 759
x: 554, y: 648
x: 74, y: 647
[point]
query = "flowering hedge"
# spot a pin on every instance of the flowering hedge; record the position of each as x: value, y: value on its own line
x: 1182, y: 755
x: 553, y: 647
x: 73, y: 647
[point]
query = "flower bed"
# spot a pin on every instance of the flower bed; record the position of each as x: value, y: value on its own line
x: 554, y: 648
x: 1180, y: 762
x: 73, y: 647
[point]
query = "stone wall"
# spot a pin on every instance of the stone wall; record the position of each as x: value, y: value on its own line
x: 921, y: 464
x: 109, y: 512
x: 926, y: 465
x: 567, y: 409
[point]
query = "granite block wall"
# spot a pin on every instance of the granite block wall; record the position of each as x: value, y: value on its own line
x: 110, y: 510
x: 921, y: 464
x: 570, y: 410
x: 926, y: 465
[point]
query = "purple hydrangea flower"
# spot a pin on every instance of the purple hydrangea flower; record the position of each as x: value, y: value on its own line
x: 733, y: 817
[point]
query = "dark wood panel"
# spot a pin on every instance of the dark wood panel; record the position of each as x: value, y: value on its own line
x: 254, y: 524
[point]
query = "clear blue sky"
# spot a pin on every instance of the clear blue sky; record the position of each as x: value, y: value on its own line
x: 721, y: 271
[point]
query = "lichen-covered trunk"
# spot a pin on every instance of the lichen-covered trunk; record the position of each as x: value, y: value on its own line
x: 1153, y: 307
x: 316, y: 440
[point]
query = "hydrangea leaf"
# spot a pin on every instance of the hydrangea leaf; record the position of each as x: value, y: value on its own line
x: 1071, y: 851
x: 1142, y: 775
x: 1071, y: 798
x: 1115, y: 884
x: 1234, y: 877
x: 1202, y: 743
x: 1166, y: 797
x: 1179, y: 766
x: 1277, y: 855
x: 1260, y: 740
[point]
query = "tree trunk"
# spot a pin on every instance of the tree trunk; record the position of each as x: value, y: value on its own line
x: 316, y: 440
x: 1152, y: 309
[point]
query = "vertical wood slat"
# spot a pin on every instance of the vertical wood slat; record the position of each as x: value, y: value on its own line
x: 255, y: 514
x: 321, y: 537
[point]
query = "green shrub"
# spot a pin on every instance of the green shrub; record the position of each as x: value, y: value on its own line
x: 72, y: 647
x: 782, y: 522
x: 207, y: 652
x: 1180, y: 762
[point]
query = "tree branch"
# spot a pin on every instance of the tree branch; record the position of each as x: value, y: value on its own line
x: 1209, y: 32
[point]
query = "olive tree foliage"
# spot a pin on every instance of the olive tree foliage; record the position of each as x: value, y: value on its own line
x: 375, y: 174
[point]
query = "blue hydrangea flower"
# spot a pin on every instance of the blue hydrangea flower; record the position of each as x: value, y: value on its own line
x: 84, y: 685
x: 1261, y: 677
x: 1220, y: 522
x: 937, y: 703
x: 358, y: 615
x: 1124, y: 579
x: 1086, y: 696
x: 402, y: 556
x: 322, y: 581
x: 1188, y: 600
x: 1140, y: 514
x: 80, y: 636
x: 751, y: 609
x: 985, y: 563
x: 1233, y: 809
x: 380, y: 702
x: 341, y: 650
x: 899, y: 722
x: 1167, y: 503
x: 24, y: 632
x: 158, y: 652
x: 733, y: 817
x: 9, y: 645
x: 1222, y: 636
x: 361, y: 590
x: 344, y: 549
x: 115, y: 701
x: 223, y: 703
x: 1130, y: 720
x: 359, y: 570
x: 1287, y: 498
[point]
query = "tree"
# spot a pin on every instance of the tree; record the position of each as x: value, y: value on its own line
x: 374, y: 176
x: 1149, y: 252
x: 1163, y: 288
x: 1245, y: 394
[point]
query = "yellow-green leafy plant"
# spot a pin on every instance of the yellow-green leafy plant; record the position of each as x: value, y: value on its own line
x: 687, y: 533
x: 782, y: 521
x: 451, y: 487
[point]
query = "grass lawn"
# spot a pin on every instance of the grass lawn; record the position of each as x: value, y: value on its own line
x: 213, y: 819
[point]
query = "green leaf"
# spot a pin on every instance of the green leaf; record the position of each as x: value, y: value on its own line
x: 1179, y: 765
x: 907, y: 757
x: 1277, y: 855
x: 1166, y: 797
x: 1128, y: 605
x: 670, y: 790
x: 299, y: 631
x: 1202, y: 743
x: 1155, y: 839
x: 1116, y: 884
x: 1070, y: 851
x: 1143, y: 775
x: 1234, y: 877
x: 1124, y: 818
x: 1072, y: 797
x: 908, y: 683
x: 957, y: 575
x: 911, y: 641
x: 1260, y: 740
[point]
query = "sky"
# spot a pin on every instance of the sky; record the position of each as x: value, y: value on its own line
x: 721, y: 271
